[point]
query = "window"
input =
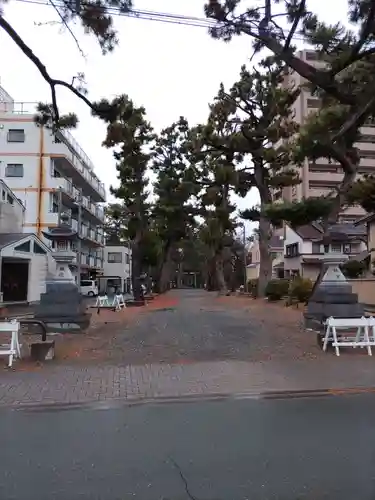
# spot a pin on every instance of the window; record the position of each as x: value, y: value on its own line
x: 24, y: 247
x: 326, y: 248
x: 347, y: 248
x: 127, y: 258
x: 311, y: 56
x: 316, y: 248
x: 324, y: 168
x: 336, y: 247
x: 292, y: 250
x: 14, y: 170
x: 366, y: 138
x: 115, y: 257
x: 38, y: 249
x: 313, y: 103
x: 367, y: 154
x: 16, y: 135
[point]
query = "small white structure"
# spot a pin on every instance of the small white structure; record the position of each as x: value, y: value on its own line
x: 23, y: 267
x: 117, y: 264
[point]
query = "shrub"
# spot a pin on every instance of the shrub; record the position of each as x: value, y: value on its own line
x: 353, y: 269
x: 300, y: 289
x: 252, y: 288
x: 277, y: 289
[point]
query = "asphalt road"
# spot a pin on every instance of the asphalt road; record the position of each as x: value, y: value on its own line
x: 226, y: 449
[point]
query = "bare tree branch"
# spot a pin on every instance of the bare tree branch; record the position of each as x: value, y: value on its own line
x: 67, y: 27
x: 52, y: 82
x: 301, y: 10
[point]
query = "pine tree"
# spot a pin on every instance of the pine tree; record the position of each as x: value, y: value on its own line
x: 344, y: 81
x: 174, y: 188
x: 131, y: 136
x: 256, y: 117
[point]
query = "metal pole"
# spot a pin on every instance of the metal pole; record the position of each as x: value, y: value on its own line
x: 79, y: 243
x: 244, y: 259
x: 130, y: 267
x: 59, y: 209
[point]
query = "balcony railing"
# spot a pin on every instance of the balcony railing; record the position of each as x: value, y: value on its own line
x: 67, y: 186
x: 84, y: 161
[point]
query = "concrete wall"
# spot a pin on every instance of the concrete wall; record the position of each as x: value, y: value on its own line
x: 365, y: 288
x: 11, y: 218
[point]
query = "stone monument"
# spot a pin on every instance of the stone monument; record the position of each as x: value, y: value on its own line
x: 331, y: 296
x: 62, y: 307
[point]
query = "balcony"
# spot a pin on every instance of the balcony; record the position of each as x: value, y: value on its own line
x: 71, y: 195
x: 74, y: 162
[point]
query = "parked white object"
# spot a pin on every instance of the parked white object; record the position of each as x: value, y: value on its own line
x: 361, y: 338
x: 119, y: 302
x: 13, y: 349
x: 102, y: 301
x: 89, y: 288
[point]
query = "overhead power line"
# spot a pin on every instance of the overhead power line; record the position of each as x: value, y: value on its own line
x: 148, y: 15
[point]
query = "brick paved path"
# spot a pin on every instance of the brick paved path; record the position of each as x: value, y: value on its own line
x: 197, y: 344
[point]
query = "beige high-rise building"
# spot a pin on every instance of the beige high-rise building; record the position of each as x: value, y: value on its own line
x: 320, y: 177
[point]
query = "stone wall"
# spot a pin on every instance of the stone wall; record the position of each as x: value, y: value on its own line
x: 365, y: 288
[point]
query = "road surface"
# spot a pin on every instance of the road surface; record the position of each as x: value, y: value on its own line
x: 230, y: 449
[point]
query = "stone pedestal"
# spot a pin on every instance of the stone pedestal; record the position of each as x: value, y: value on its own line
x: 62, y: 308
x: 332, y: 296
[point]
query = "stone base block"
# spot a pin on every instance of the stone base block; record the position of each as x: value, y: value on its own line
x: 42, y: 351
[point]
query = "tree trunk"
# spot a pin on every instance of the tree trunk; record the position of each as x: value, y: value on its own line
x: 265, y: 268
x: 219, y: 264
x: 136, y: 270
x: 165, y: 273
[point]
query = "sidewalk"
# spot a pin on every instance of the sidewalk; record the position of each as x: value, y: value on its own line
x: 64, y: 384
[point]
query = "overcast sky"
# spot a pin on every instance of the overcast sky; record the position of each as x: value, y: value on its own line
x: 172, y: 70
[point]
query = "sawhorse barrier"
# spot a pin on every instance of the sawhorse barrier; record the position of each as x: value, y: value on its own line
x: 13, y: 348
x: 364, y: 335
x: 116, y: 304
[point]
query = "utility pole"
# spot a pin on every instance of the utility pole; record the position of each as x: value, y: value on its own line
x: 59, y: 207
x: 79, y: 243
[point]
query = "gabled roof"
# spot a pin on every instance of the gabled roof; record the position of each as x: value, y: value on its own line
x: 276, y: 242
x: 7, y: 239
x: 365, y: 219
x: 308, y: 231
x: 338, y: 232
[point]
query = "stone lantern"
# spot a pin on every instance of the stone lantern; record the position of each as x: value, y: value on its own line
x: 62, y: 306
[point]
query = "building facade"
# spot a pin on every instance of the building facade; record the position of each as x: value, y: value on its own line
x: 304, y: 247
x: 276, y: 250
x: 322, y: 176
x: 116, y: 266
x: 51, y: 175
x: 24, y: 257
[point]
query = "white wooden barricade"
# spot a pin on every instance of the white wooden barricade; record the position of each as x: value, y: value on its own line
x: 360, y: 339
x: 13, y: 349
x: 118, y: 302
x: 102, y: 301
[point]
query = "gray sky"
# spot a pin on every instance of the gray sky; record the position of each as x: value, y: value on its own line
x: 172, y: 70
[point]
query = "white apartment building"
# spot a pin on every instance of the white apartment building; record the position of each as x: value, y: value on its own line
x: 320, y: 177
x: 51, y: 174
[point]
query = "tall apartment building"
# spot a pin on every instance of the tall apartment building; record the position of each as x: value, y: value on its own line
x: 51, y: 174
x: 321, y: 177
